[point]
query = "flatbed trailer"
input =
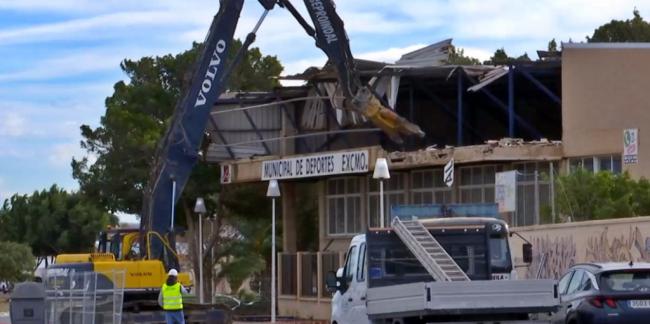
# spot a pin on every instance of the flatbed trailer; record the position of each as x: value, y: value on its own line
x: 485, y: 299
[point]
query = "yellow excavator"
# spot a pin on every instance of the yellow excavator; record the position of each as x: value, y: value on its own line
x: 119, y: 250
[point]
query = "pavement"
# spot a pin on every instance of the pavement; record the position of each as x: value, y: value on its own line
x: 4, y: 309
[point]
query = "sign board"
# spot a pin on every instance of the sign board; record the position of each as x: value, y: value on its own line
x: 316, y: 165
x: 226, y: 173
x: 505, y: 191
x: 630, y: 146
x: 448, y: 173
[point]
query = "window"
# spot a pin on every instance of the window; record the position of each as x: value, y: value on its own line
x: 626, y: 280
x: 499, y: 256
x: 529, y: 207
x: 575, y: 281
x: 468, y: 251
x: 477, y: 183
x: 610, y: 163
x: 564, y: 283
x: 586, y: 284
x: 344, y: 206
x: 361, y: 272
x: 351, y: 264
x: 428, y: 187
x: 394, y: 194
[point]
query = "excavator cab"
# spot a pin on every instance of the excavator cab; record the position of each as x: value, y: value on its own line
x: 124, y: 245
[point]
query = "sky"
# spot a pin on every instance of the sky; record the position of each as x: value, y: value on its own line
x: 59, y: 59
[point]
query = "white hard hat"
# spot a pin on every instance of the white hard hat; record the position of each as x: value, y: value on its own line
x: 173, y: 272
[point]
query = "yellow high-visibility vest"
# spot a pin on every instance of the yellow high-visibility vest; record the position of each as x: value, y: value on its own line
x: 172, y: 298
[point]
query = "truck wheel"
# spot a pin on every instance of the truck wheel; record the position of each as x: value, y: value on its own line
x: 398, y: 321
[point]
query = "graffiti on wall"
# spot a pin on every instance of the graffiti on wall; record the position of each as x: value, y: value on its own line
x: 553, y: 255
x: 623, y: 248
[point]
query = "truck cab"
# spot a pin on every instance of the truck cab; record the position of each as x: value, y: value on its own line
x: 379, y: 260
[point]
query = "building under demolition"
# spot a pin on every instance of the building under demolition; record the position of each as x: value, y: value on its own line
x: 539, y: 118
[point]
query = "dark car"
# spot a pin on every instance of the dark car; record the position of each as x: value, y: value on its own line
x: 605, y: 293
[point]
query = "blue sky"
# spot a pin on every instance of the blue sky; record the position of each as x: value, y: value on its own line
x: 59, y: 59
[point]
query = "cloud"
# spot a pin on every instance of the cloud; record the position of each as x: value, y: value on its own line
x: 90, y: 6
x: 5, y: 193
x: 48, y: 92
x: 479, y: 53
x: 12, y: 124
x: 113, y: 25
x: 66, y: 66
x: 389, y: 55
x: 47, y: 121
x: 128, y: 218
x: 61, y: 154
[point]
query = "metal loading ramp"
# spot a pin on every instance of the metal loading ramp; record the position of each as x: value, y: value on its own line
x: 428, y: 251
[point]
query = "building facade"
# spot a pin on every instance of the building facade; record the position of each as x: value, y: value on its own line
x: 539, y: 119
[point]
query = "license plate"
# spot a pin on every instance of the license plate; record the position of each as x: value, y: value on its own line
x: 500, y: 276
x: 640, y: 303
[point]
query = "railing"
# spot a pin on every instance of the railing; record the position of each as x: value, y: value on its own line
x: 83, y: 297
x: 302, y: 275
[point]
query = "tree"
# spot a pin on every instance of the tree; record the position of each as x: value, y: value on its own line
x: 523, y: 58
x: 552, y: 46
x: 500, y: 56
x: 16, y: 261
x: 136, y: 117
x: 457, y: 57
x: 52, y: 221
x: 630, y: 30
x: 585, y: 195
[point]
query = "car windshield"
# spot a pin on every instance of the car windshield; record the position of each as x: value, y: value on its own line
x: 499, y: 256
x: 626, y: 280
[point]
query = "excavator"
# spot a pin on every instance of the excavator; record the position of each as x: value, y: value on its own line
x: 145, y: 254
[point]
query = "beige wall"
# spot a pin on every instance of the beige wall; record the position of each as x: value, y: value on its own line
x: 605, y: 90
x: 622, y: 240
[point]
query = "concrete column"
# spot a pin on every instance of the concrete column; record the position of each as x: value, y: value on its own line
x: 289, y: 217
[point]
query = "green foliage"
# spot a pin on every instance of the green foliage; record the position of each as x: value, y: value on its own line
x: 137, y: 115
x: 523, y: 58
x: 246, y: 209
x: 552, y: 45
x: 52, y: 221
x: 457, y: 57
x: 500, y: 57
x: 16, y: 261
x: 584, y: 195
x: 306, y: 204
x: 630, y: 30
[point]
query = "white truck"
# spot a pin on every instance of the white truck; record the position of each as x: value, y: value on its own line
x: 437, y: 270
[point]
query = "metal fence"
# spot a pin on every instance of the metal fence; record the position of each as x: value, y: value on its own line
x: 288, y: 274
x: 83, y: 297
x: 309, y: 274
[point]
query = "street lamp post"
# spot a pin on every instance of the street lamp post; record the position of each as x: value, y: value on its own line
x: 381, y: 173
x: 199, y: 209
x: 273, y: 192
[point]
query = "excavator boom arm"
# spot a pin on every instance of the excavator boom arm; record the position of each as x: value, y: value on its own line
x: 178, y: 151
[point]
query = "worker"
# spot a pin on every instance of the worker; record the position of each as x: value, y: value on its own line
x: 171, y: 299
